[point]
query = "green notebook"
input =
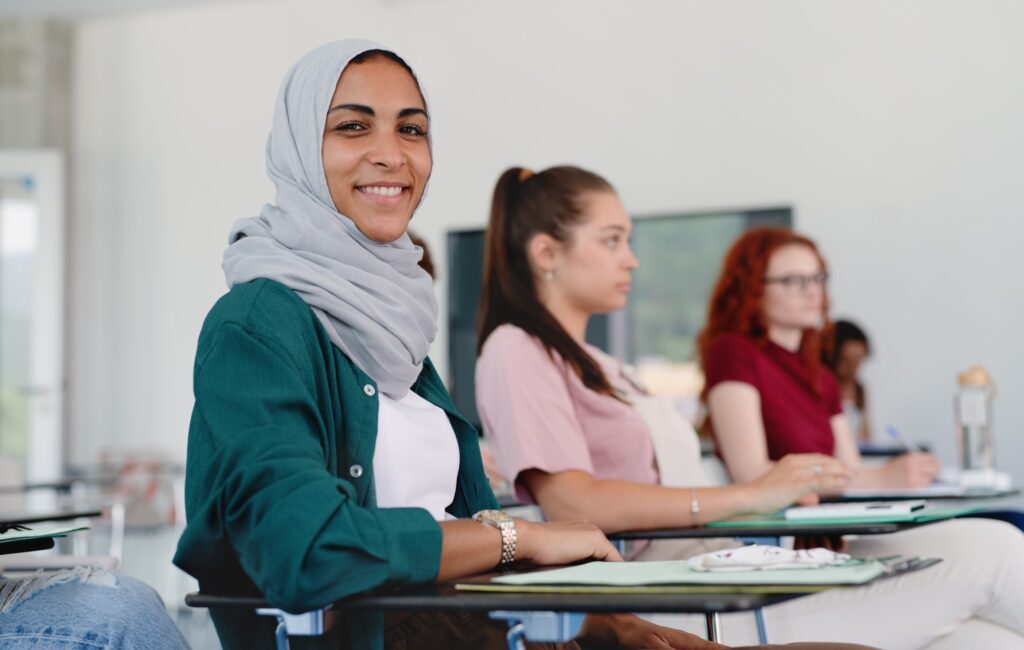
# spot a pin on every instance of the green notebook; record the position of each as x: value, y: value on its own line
x: 677, y: 576
x: 778, y: 520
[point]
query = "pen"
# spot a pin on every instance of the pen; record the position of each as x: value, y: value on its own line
x: 901, y: 441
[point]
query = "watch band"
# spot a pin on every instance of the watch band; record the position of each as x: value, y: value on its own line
x: 506, y: 525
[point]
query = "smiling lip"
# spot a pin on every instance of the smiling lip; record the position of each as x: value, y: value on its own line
x: 384, y: 193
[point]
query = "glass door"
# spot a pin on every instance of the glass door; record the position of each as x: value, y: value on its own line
x: 31, y: 315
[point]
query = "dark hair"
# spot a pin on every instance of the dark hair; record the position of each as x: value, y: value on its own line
x: 839, y: 334
x: 426, y: 262
x: 370, y: 55
x: 526, y: 204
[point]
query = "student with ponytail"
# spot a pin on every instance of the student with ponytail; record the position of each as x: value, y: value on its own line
x: 577, y: 436
x: 559, y: 411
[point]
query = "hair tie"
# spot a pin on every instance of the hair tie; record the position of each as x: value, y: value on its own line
x: 524, y: 174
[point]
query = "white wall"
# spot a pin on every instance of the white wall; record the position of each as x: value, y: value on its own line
x: 893, y: 127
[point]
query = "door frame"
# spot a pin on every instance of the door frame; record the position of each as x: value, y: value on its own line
x: 47, y: 379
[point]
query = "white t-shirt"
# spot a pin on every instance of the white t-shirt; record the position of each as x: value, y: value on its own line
x: 416, y: 460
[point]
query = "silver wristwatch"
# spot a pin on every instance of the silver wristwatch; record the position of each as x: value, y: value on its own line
x: 507, y: 525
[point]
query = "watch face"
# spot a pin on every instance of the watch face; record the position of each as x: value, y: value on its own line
x: 492, y: 515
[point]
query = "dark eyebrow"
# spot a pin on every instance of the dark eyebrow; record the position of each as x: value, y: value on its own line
x: 359, y: 108
x: 406, y: 112
x: 366, y: 110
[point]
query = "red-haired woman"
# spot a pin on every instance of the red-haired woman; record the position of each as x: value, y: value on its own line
x: 767, y: 392
x: 768, y: 395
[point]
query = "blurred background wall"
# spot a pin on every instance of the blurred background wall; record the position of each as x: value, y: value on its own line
x: 892, y: 128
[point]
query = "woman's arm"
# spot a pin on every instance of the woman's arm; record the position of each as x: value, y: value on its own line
x: 615, y: 506
x: 735, y: 411
x: 846, y: 447
x: 469, y: 547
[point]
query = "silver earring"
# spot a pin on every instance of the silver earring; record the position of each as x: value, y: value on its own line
x: 549, y: 275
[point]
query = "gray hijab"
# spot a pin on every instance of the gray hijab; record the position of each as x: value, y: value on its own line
x: 377, y: 304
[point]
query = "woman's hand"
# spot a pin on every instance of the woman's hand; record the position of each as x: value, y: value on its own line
x: 911, y: 470
x: 797, y: 478
x: 562, y: 542
x: 629, y: 631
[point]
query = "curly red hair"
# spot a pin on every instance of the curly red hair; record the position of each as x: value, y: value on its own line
x: 736, y: 301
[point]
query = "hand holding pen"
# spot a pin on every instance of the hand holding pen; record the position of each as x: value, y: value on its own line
x: 914, y: 469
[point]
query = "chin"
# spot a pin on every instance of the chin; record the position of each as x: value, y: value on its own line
x: 613, y: 306
x: 384, y: 233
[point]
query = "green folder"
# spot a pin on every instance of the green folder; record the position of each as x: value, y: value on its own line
x: 22, y: 535
x: 677, y: 576
x: 778, y: 519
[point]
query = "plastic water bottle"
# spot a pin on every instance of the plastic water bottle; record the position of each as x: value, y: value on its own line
x: 973, y: 407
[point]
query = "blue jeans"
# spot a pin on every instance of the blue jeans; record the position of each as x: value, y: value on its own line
x: 103, y: 610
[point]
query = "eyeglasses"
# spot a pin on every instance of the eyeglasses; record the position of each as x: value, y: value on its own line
x: 799, y: 282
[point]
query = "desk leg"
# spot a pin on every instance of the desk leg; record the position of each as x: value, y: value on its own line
x: 539, y: 626
x: 714, y: 627
x: 762, y: 631
x: 281, y: 635
x: 515, y: 638
x: 311, y: 623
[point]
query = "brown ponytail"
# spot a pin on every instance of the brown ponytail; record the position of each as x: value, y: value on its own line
x: 524, y: 205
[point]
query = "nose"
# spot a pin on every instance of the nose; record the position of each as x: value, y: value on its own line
x: 631, y: 260
x: 386, y: 151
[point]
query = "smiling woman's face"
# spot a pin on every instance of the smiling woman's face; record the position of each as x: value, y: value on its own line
x: 375, y: 151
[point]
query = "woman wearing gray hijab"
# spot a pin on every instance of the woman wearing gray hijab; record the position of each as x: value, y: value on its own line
x: 325, y: 457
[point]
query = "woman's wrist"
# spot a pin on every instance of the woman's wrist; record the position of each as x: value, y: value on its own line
x: 525, y: 531
x: 743, y: 498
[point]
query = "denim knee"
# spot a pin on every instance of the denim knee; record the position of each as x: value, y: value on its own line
x: 86, y: 610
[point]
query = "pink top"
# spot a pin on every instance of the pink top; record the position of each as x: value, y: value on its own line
x: 539, y: 415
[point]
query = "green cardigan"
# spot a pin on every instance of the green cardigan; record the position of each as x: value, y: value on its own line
x: 279, y: 482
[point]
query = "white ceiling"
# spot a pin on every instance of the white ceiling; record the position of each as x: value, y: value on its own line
x: 75, y: 9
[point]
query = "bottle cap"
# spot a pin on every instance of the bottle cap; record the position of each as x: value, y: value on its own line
x: 975, y: 376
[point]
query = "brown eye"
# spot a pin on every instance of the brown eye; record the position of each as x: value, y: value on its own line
x: 413, y: 130
x: 350, y: 126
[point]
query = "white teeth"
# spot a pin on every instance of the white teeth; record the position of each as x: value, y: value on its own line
x: 381, y: 191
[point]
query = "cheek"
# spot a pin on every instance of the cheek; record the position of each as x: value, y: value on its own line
x: 579, y: 278
x: 338, y: 157
x: 339, y: 164
x: 774, y: 305
x: 422, y: 162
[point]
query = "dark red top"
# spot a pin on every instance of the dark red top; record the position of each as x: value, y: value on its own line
x: 796, y: 418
